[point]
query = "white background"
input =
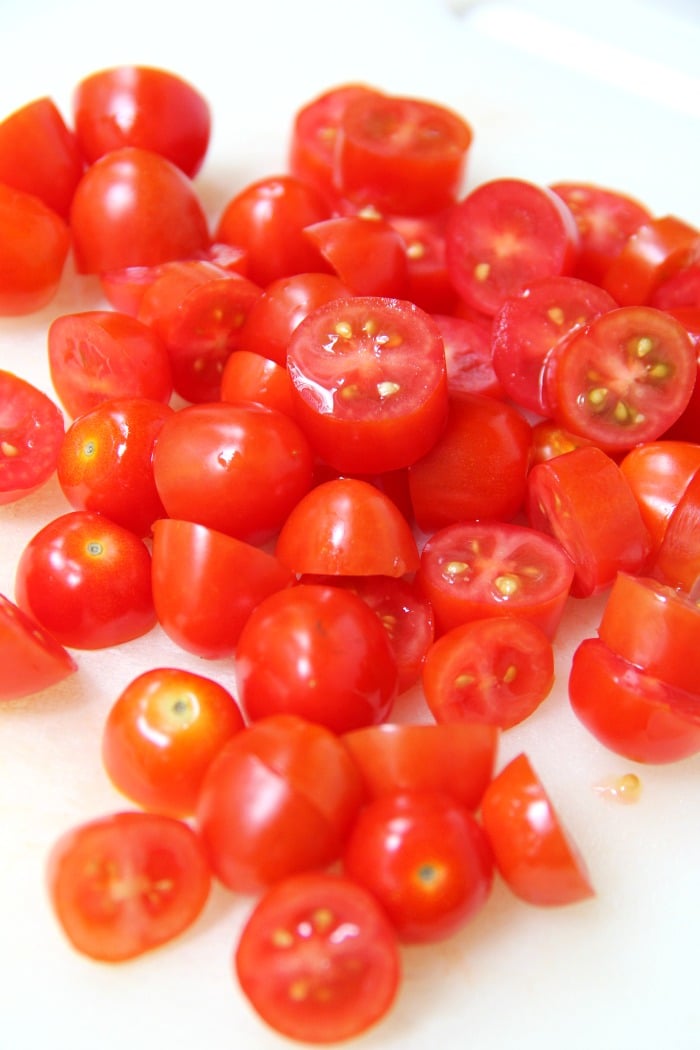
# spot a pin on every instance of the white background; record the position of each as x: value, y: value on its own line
x: 606, y: 93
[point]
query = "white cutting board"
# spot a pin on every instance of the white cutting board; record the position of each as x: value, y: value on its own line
x: 608, y: 93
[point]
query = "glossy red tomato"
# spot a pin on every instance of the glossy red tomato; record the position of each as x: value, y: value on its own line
x: 679, y: 291
x: 531, y: 847
x: 34, y: 245
x: 248, y: 376
x: 677, y: 561
x: 470, y: 570
x: 425, y: 858
x: 370, y: 381
x: 267, y: 219
x: 468, y: 356
x: 331, y: 661
x: 236, y: 468
x: 456, y: 759
x: 31, y: 432
x: 105, y: 463
x: 504, y: 235
x: 142, y: 106
x: 367, y: 254
x: 32, y: 660
x: 126, y: 883
x: 279, y: 798
x: 206, y: 584
x: 318, y: 959
x: 449, y: 483
x: 133, y: 207
x: 162, y: 733
x: 39, y: 154
x: 87, y: 581
x: 629, y: 711
x: 656, y: 250
x: 428, y: 281
x: 550, y: 440
x: 347, y: 527
x: 659, y: 472
x: 497, y: 670
x: 96, y: 355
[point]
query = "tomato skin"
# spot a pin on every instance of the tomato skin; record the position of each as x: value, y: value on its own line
x: 134, y: 207
x: 677, y: 560
x: 248, y: 376
x: 238, y: 468
x: 425, y: 858
x: 550, y: 440
x: 32, y: 659
x: 34, y: 246
x: 658, y: 473
x: 206, y: 584
x: 468, y: 356
x: 367, y: 254
x: 656, y: 250
x: 347, y: 527
x: 87, y: 581
x: 332, y: 662
x: 352, y: 978
x: 31, y: 432
x: 95, y: 355
x: 497, y: 670
x: 142, y: 106
x: 428, y: 282
x: 450, y: 483
x: 456, y: 759
x: 278, y: 798
x: 532, y: 850
x: 630, y: 712
x: 162, y: 733
x: 39, y: 154
x: 127, y: 883
x: 105, y: 462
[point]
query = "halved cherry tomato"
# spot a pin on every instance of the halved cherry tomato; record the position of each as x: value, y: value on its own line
x: 370, y: 382
x: 206, y: 584
x: 630, y: 712
x: 279, y: 798
x: 34, y: 245
x: 248, y: 376
x: 658, y: 473
x: 331, y: 662
x: 532, y: 849
x: 347, y: 527
x: 470, y: 570
x: 126, y: 883
x: 367, y: 254
x: 497, y: 670
x: 31, y: 658
x: 318, y: 959
x: 31, y: 433
x: 456, y: 759
x: 428, y: 282
x: 425, y: 858
x: 162, y: 733
x: 677, y: 560
x: 550, y: 440
x: 96, y: 355
x: 468, y: 356
x: 681, y: 289
x: 656, y: 250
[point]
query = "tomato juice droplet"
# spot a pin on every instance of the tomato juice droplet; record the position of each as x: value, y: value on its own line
x: 625, y: 788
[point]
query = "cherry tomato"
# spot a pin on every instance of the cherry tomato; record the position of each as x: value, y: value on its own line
x: 96, y: 355
x: 39, y: 154
x: 370, y: 382
x: 532, y: 849
x: 134, y: 207
x: 656, y: 250
x: 142, y: 106
x: 87, y: 581
x: 34, y: 245
x: 162, y: 733
x: 584, y: 500
x: 31, y: 432
x: 248, y: 376
x: 470, y: 570
x: 426, y: 860
x: 677, y: 560
x: 658, y: 473
x: 318, y: 959
x: 347, y: 527
x: 629, y: 711
x: 332, y: 661
x: 504, y: 235
x: 550, y: 440
x: 105, y: 462
x: 405, y: 156
x: 468, y: 356
x: 497, y: 670
x: 206, y: 584
x: 236, y: 468
x: 680, y: 290
x: 367, y: 254
x: 32, y: 659
x: 278, y: 798
x: 449, y: 483
x: 456, y: 759
x: 267, y: 219
x: 126, y: 883
x: 622, y: 379
x: 428, y: 281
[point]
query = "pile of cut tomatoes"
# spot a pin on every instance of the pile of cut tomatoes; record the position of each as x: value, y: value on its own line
x: 366, y: 432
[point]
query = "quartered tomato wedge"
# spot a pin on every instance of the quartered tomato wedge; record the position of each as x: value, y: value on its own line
x: 367, y: 254
x: 31, y: 658
x: 658, y: 249
x: 659, y: 472
x: 31, y: 434
x: 677, y: 560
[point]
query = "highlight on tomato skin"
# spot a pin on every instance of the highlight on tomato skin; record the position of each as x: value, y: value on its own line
x: 32, y: 659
